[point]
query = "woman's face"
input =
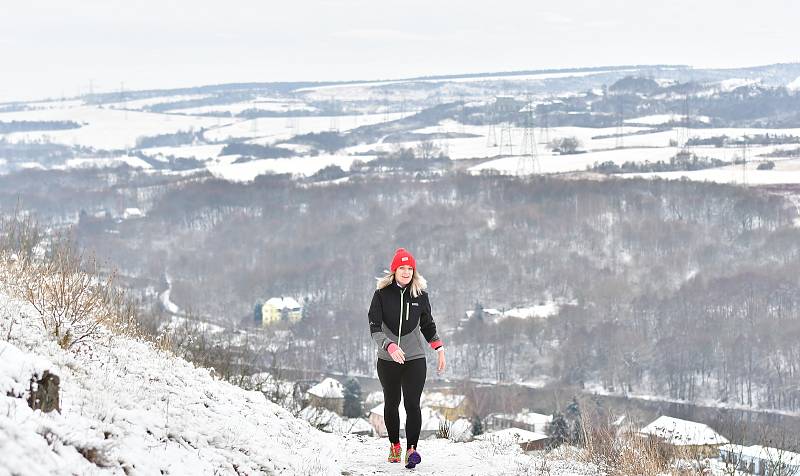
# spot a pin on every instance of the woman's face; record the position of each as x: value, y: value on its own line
x: 403, y: 275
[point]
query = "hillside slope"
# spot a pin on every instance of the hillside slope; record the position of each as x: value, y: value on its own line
x: 129, y: 408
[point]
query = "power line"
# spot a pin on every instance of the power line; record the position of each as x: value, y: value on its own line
x: 528, y: 161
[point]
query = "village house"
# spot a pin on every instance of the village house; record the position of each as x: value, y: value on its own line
x: 327, y: 394
x: 526, y: 420
x: 450, y: 406
x: 760, y: 460
x: 685, y: 434
x: 281, y: 309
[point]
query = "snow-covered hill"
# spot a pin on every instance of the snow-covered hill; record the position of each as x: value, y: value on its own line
x: 129, y: 408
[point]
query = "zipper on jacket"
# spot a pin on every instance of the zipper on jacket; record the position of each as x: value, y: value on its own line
x: 408, y: 309
x: 400, y: 327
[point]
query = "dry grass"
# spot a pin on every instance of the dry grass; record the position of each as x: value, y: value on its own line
x: 621, y: 453
x: 74, y: 300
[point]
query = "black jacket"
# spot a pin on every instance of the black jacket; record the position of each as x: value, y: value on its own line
x: 392, y: 309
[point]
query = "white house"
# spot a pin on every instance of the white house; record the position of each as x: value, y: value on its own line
x: 327, y: 394
x: 761, y: 460
x: 526, y: 420
x: 677, y: 432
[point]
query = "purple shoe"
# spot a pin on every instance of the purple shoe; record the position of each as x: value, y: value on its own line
x: 413, y: 459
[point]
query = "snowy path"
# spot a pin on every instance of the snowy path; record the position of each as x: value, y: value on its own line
x: 367, y: 456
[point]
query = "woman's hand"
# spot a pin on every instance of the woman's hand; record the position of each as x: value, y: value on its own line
x: 396, y: 353
x: 441, y: 366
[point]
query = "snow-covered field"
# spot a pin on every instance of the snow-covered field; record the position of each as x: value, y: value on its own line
x: 785, y: 172
x: 151, y: 101
x: 260, y: 104
x: 302, y: 166
x: 657, y: 119
x: 353, y: 88
x: 90, y: 162
x: 102, y: 128
x: 129, y: 408
x: 272, y: 129
x: 199, y: 152
x: 109, y: 127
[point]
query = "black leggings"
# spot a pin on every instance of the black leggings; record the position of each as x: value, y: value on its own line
x: 410, y: 377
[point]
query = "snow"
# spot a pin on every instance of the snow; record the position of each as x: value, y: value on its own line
x: 17, y: 368
x: 331, y: 422
x: 328, y: 388
x: 682, y: 432
x: 272, y: 129
x: 728, y: 85
x: 658, y: 119
x: 542, y: 310
x: 785, y: 172
x: 374, y: 398
x: 466, y: 79
x: 129, y: 408
x: 302, y: 166
x: 513, y: 435
x: 151, y: 101
x: 461, y: 430
x: 199, y: 152
x: 762, y: 452
x: 84, y: 163
x: 56, y: 104
x: 102, y: 128
x: 261, y: 104
x: 430, y: 418
x: 283, y: 303
x: 442, y: 400
x: 537, y: 421
x: 168, y: 305
x: 180, y: 322
x: 132, y: 212
x: 143, y: 409
x: 794, y: 85
x: 78, y: 163
x: 444, y: 457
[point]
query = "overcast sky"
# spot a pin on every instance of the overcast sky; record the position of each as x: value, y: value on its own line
x: 55, y: 47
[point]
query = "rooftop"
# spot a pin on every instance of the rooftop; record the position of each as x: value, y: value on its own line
x: 683, y: 432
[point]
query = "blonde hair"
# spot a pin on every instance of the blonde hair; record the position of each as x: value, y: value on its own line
x: 418, y: 283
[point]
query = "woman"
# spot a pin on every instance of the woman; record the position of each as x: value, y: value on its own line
x: 399, y: 319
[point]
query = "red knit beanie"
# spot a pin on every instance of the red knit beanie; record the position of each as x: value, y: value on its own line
x: 403, y: 257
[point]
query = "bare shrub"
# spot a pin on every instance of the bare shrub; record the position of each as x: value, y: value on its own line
x: 19, y: 233
x: 70, y: 297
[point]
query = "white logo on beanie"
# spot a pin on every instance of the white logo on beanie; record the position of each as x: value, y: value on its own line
x: 404, y: 258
